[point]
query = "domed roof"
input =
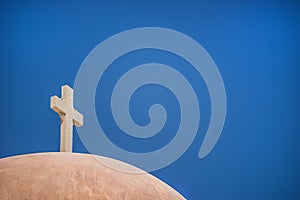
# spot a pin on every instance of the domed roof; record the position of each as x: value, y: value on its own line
x: 75, y: 176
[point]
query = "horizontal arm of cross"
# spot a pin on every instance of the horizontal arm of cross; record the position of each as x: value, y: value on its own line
x: 57, y: 105
x: 77, y: 118
x: 60, y: 106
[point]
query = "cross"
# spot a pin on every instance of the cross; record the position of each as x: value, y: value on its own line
x: 68, y: 117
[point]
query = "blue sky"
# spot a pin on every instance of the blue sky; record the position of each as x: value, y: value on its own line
x: 255, y: 46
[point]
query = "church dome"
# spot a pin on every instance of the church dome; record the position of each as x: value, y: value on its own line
x: 75, y: 176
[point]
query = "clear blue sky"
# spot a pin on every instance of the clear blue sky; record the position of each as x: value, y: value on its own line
x: 255, y: 46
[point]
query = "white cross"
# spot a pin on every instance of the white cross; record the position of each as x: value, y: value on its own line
x: 68, y: 117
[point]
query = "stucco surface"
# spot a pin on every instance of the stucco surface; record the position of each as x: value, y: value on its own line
x: 75, y: 176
